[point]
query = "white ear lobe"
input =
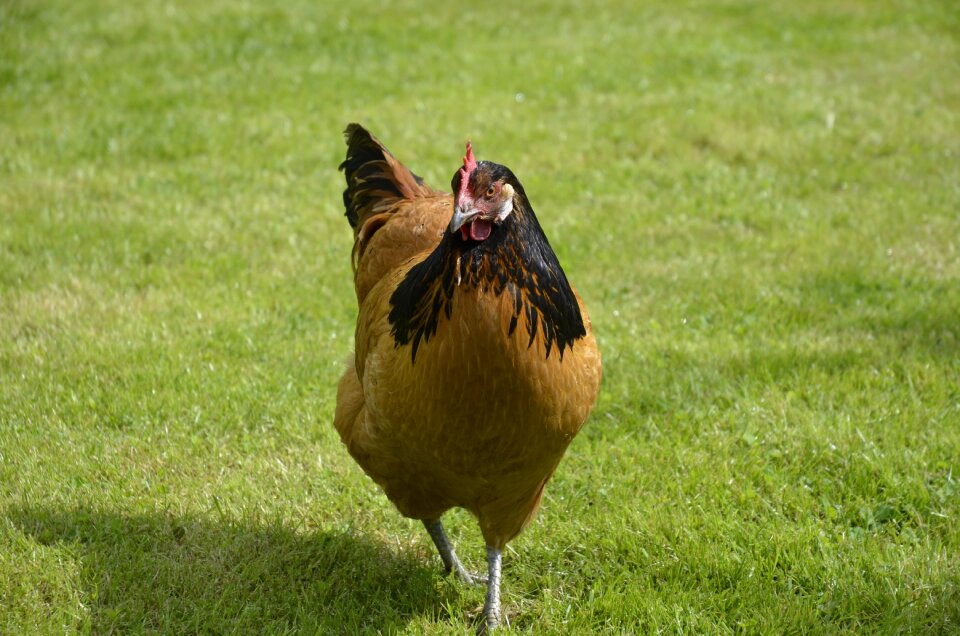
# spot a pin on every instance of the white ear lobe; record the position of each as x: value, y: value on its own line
x: 507, y: 206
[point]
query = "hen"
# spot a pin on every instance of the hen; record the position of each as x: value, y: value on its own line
x: 475, y: 362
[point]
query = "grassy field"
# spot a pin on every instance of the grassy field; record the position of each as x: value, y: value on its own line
x: 759, y: 202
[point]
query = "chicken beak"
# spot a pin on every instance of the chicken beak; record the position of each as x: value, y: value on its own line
x: 460, y: 216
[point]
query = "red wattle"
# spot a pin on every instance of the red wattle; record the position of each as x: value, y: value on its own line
x: 480, y: 229
x: 477, y: 230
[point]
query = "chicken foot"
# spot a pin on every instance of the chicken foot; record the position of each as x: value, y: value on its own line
x: 450, y: 561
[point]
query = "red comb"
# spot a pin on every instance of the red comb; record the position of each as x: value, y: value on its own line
x: 469, y: 165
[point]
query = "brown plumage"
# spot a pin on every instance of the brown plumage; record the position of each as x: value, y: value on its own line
x: 475, y: 362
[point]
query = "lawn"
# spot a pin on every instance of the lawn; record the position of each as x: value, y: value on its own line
x: 759, y: 203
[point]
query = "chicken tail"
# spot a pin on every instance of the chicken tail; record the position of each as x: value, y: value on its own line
x: 376, y: 183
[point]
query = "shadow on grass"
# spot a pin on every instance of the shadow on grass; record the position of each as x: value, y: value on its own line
x: 191, y: 575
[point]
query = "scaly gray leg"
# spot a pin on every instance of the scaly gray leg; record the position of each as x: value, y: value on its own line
x: 450, y: 561
x: 491, y: 608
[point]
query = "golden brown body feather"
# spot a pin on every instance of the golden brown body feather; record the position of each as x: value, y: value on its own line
x: 479, y: 421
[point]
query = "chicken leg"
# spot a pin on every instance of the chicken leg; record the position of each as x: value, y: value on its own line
x: 450, y: 561
x: 491, y: 607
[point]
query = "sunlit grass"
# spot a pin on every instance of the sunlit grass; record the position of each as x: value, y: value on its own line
x: 758, y: 202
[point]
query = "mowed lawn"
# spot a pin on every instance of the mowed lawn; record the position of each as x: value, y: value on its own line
x: 759, y: 203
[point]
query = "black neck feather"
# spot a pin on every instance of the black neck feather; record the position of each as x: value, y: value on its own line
x: 516, y: 259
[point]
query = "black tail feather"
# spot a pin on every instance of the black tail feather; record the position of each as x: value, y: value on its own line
x: 374, y: 176
x: 359, y: 171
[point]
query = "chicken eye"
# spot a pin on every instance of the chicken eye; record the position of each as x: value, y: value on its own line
x: 492, y: 190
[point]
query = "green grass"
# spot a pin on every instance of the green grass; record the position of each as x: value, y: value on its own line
x: 759, y: 203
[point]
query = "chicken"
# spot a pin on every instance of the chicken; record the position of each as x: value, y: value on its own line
x: 475, y: 362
